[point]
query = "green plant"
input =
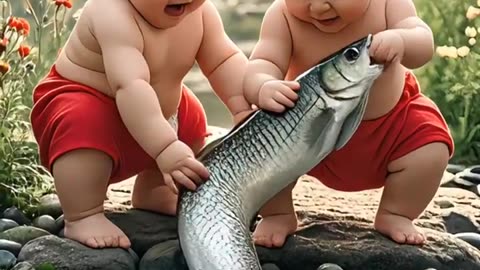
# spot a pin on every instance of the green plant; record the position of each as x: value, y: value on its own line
x: 24, y: 52
x: 450, y: 80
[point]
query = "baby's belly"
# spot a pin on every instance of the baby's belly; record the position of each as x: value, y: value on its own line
x: 83, y: 72
x: 168, y: 92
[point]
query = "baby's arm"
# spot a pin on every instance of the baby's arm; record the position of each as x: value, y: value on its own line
x: 129, y: 76
x: 271, y: 56
x: 222, y: 62
x: 417, y: 36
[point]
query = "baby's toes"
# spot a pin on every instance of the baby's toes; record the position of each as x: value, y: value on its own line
x: 110, y: 242
x: 123, y: 241
x: 278, y: 240
x: 91, y: 242
x: 100, y: 241
x: 399, y: 237
x: 419, y: 238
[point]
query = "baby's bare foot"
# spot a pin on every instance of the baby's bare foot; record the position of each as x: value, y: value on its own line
x: 398, y: 228
x: 272, y: 230
x: 96, y: 231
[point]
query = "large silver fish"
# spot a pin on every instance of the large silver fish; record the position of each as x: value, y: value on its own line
x: 267, y: 152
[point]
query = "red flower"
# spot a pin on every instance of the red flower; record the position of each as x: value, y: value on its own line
x: 66, y: 3
x: 21, y: 25
x: 24, y: 51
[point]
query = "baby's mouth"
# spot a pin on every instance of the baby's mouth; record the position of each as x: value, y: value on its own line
x: 328, y: 21
x: 175, y: 9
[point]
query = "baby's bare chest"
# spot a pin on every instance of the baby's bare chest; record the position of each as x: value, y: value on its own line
x: 172, y: 52
x: 310, y: 45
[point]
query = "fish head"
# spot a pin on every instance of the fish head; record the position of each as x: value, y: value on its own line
x: 350, y: 72
x: 342, y: 83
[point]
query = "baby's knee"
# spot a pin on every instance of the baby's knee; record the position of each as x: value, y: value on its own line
x: 431, y: 157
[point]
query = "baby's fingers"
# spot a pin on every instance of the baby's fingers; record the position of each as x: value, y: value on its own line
x: 167, y: 178
x: 196, y: 167
x: 272, y: 105
x: 192, y: 175
x: 283, y: 100
x: 294, y: 85
x: 183, y: 180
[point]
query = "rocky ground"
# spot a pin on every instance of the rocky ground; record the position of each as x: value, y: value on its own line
x: 335, y: 228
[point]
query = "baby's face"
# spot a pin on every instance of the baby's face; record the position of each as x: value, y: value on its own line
x: 165, y: 13
x: 329, y: 16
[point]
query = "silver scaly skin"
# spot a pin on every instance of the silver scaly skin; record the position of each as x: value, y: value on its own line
x: 267, y: 152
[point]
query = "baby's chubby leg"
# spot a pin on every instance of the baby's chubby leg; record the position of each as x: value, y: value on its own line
x: 278, y: 220
x: 81, y: 181
x: 150, y: 192
x: 408, y: 190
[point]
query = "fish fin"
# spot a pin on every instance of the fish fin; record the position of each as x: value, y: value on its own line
x: 207, y: 148
x: 352, y: 122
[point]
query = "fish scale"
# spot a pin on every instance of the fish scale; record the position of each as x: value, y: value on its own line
x: 258, y: 159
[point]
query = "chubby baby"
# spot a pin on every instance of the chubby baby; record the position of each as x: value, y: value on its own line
x: 114, y: 106
x: 403, y: 143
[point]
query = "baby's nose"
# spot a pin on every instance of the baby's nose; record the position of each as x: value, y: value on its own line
x: 318, y: 7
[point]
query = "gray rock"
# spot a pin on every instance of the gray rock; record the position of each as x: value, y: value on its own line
x: 11, y: 246
x: 23, y: 234
x: 270, y: 266
x: 23, y: 266
x: 46, y: 222
x: 444, y: 204
x: 355, y: 245
x: 67, y: 254
x: 60, y: 223
x: 456, y: 223
x: 16, y: 215
x: 145, y: 229
x: 329, y: 266
x: 6, y: 224
x: 50, y: 205
x: 164, y: 256
x: 455, y: 168
x: 7, y: 259
x: 471, y: 238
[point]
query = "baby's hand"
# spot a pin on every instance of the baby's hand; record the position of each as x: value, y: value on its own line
x: 275, y: 95
x: 178, y: 164
x: 387, y: 47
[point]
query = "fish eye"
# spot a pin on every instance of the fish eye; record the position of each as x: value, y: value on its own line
x: 351, y: 54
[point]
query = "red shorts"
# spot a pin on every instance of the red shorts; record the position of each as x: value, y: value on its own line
x: 68, y: 116
x: 362, y: 164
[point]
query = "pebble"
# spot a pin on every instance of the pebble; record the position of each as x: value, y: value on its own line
x: 468, y: 177
x: 329, y: 266
x: 11, y: 246
x: 455, y: 168
x: 444, y: 204
x: 6, y: 224
x: 60, y: 222
x: 270, y: 266
x: 23, y: 234
x: 470, y: 237
x: 47, y: 223
x: 7, y: 259
x: 23, y: 266
x: 16, y: 215
x: 50, y: 205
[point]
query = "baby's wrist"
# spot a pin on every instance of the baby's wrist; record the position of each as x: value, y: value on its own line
x: 165, y: 146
